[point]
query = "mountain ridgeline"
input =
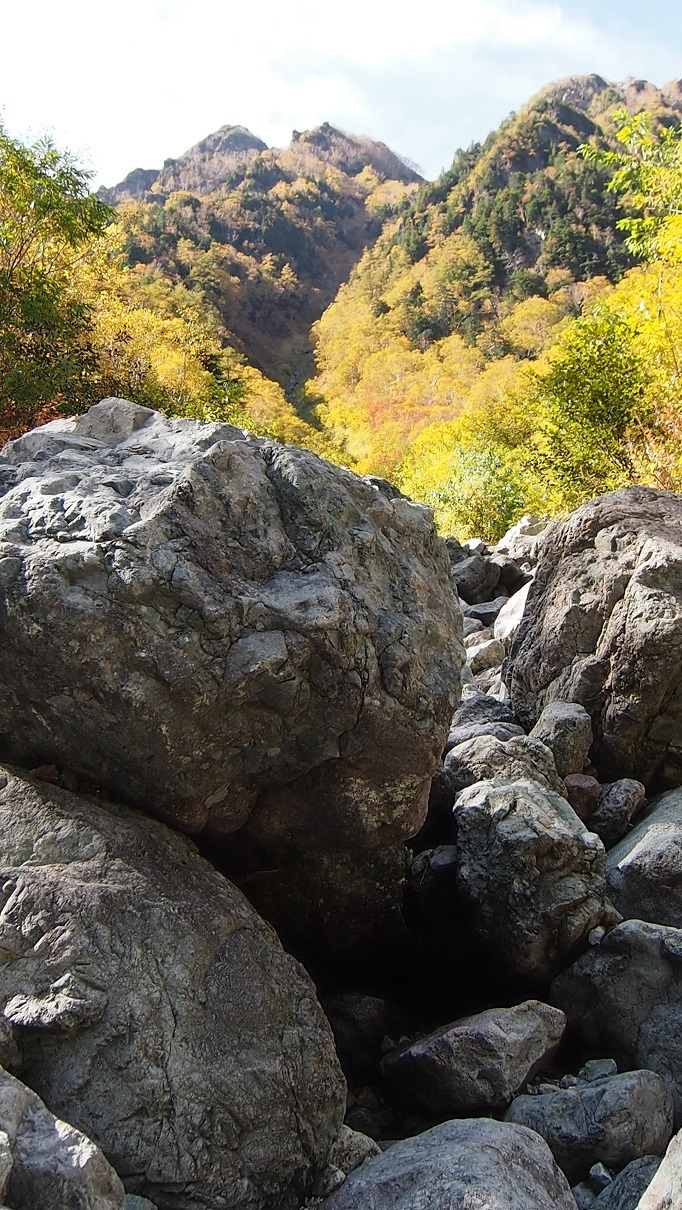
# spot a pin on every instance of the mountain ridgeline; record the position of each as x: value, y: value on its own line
x: 266, y: 235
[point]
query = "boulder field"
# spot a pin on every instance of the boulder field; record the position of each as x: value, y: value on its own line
x: 243, y: 688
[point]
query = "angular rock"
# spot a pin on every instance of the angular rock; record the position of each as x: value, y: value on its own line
x: 612, y: 1121
x: 485, y: 611
x: 618, y: 802
x: 624, y: 997
x: 520, y: 542
x: 644, y: 870
x: 155, y: 1011
x: 565, y: 727
x: 665, y: 1190
x: 46, y: 1163
x: 509, y: 618
x: 625, y: 1190
x: 502, y: 1167
x: 477, y: 1063
x: 531, y: 873
x: 352, y: 1149
x: 476, y: 578
x: 500, y: 731
x: 234, y: 632
x: 583, y: 793
x: 517, y: 759
x: 483, y: 656
x: 603, y: 627
x: 470, y: 625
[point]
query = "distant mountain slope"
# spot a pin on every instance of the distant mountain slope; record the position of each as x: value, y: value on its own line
x: 480, y: 271
x: 267, y: 235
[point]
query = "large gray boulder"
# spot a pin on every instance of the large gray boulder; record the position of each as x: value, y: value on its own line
x: 603, y: 627
x: 233, y: 633
x: 644, y: 870
x: 610, y: 1121
x: 155, y: 1011
x: 477, y: 1063
x: 531, y: 874
x: 624, y: 998
x: 566, y: 729
x: 624, y: 1192
x: 47, y: 1165
x: 475, y: 1164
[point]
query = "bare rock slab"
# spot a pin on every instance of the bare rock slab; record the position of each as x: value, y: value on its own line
x: 603, y: 627
x: 531, y: 873
x: 235, y: 633
x: 155, y: 1011
x: 610, y: 1121
x: 503, y: 1167
x: 665, y: 1190
x: 477, y: 1063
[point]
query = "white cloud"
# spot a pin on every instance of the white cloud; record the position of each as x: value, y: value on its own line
x: 131, y: 84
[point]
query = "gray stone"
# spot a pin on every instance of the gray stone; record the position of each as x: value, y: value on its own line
x: 476, y: 1063
x: 583, y: 792
x: 520, y: 542
x: 133, y: 1202
x: 470, y: 625
x: 603, y: 627
x: 476, y: 578
x: 516, y: 759
x: 352, y: 1149
x: 486, y: 611
x: 155, y: 1010
x: 565, y: 727
x: 483, y: 656
x: 644, y: 870
x: 462, y: 734
x: 598, y: 1069
x: 45, y: 1164
x: 531, y: 874
x: 478, y: 637
x: 509, y: 618
x: 600, y: 1177
x: 618, y: 803
x: 467, y: 1165
x: 249, y: 638
x: 627, y: 1187
x: 584, y: 1195
x: 624, y: 997
x: 481, y: 710
x: 665, y: 1190
x: 611, y: 1121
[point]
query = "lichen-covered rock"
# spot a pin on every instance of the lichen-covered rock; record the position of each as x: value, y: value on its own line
x: 644, y: 870
x: 155, y: 1011
x: 531, y: 874
x: 623, y: 997
x: 478, y: 1062
x: 46, y: 1164
x: 234, y: 633
x: 612, y: 1121
x: 603, y: 627
x: 475, y: 1164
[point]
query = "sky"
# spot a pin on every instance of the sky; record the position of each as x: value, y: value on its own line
x: 128, y: 85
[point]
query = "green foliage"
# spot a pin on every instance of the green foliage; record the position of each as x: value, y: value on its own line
x: 47, y: 219
x: 481, y: 497
x: 589, y: 398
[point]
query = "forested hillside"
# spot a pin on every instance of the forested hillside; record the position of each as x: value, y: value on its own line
x: 505, y: 339
x: 266, y: 235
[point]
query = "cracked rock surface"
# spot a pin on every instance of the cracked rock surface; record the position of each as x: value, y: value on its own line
x: 229, y: 632
x: 149, y: 1006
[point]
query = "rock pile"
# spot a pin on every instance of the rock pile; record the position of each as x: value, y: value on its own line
x: 428, y: 763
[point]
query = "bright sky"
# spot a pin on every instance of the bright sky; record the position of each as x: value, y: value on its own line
x: 129, y: 84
